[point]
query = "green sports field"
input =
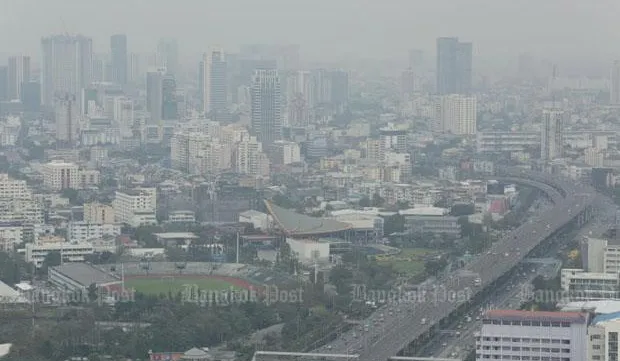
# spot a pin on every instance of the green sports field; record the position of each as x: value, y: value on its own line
x: 176, y: 284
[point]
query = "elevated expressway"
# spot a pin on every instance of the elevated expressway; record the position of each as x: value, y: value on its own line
x: 418, y: 319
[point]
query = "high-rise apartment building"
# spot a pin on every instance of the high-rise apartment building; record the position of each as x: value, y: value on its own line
x: 58, y: 175
x: 266, y: 106
x: 154, y: 96
x: 67, y: 118
x: 416, y: 59
x: 614, y: 88
x: 526, y: 335
x: 18, y: 74
x: 119, y: 58
x: 66, y: 66
x: 214, y: 82
x: 300, y: 99
x: 551, y: 137
x: 168, y: 55
x: 4, y: 83
x: 454, y: 63
x: 169, y: 105
x: 455, y: 114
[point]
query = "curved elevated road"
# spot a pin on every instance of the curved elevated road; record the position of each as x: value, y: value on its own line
x: 394, y: 326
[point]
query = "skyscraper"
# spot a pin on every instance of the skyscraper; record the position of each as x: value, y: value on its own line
x: 154, y: 98
x: 66, y: 66
x: 214, y: 85
x: 67, y: 120
x: 18, y: 74
x: 4, y: 83
x: 614, y: 89
x: 118, y: 53
x: 169, y: 107
x: 299, y: 97
x: 266, y: 106
x: 454, y: 63
x: 551, y: 137
x: 456, y: 114
x: 416, y: 60
x: 168, y: 55
x: 339, y: 90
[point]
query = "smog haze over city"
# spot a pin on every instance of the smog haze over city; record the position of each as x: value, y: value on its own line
x: 274, y: 180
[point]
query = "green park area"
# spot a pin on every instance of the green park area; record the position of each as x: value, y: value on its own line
x: 409, y: 262
x: 176, y: 284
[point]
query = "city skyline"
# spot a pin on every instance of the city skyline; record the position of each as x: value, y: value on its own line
x: 421, y: 22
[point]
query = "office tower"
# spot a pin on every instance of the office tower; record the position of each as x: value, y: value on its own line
x: 527, y: 335
x: 168, y: 55
x: 416, y: 59
x: 266, y: 106
x: 214, y: 84
x: 66, y: 66
x: 154, y: 96
x: 339, y: 97
x: 407, y: 83
x: 614, y: 88
x: 18, y: 74
x: 299, y: 98
x: 67, y: 120
x: 4, y: 83
x: 31, y: 96
x: 169, y: 107
x: 551, y: 137
x: 454, y: 63
x: 119, y: 57
x: 456, y: 114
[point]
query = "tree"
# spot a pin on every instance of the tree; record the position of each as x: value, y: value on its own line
x: 93, y: 292
x: 433, y: 266
x: 377, y: 200
x: 364, y: 202
x: 52, y: 259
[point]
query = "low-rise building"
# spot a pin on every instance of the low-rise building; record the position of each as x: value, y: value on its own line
x: 70, y: 252
x: 84, y: 231
x: 526, y: 335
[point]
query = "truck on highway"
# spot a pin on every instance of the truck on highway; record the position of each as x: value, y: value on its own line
x: 478, y: 282
x: 423, y: 321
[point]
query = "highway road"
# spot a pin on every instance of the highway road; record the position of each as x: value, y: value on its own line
x: 393, y: 326
x: 510, y: 296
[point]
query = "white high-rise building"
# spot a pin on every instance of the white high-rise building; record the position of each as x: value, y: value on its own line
x: 266, y: 106
x: 456, y: 114
x: 285, y: 152
x: 299, y: 97
x: 14, y: 188
x: 66, y: 66
x: 603, y: 335
x: 214, y: 82
x: 614, y: 88
x: 551, y: 137
x: 594, y: 157
x: 58, y: 175
x: 526, y: 335
x: 67, y: 119
x: 18, y: 74
x: 250, y: 159
x: 135, y: 206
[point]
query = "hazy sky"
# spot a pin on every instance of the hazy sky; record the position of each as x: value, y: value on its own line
x: 575, y: 29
